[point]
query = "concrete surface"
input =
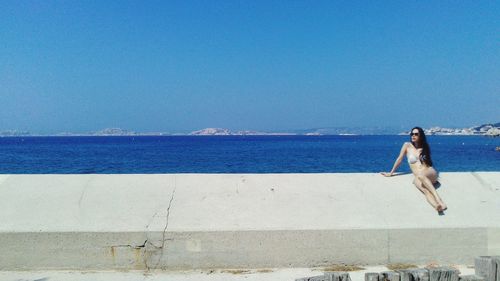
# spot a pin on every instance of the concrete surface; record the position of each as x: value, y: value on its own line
x: 273, y: 274
x: 186, y: 221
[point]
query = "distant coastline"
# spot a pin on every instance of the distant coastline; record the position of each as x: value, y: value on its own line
x: 484, y: 130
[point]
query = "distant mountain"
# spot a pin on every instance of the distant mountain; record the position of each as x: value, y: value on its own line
x: 486, y: 129
x: 227, y: 132
x: 211, y: 132
x: 348, y: 131
x: 113, y: 132
x: 308, y: 132
x: 14, y: 133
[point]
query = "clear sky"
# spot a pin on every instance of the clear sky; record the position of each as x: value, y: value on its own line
x: 176, y: 66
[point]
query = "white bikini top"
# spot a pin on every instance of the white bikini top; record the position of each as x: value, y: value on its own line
x: 412, y: 159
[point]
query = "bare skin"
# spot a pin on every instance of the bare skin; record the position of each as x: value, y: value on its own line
x: 425, y: 176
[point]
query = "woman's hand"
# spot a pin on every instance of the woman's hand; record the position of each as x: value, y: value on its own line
x: 386, y: 174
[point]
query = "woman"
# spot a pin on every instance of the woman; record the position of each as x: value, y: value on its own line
x: 418, y: 154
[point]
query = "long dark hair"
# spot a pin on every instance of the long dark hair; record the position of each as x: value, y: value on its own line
x: 425, y: 156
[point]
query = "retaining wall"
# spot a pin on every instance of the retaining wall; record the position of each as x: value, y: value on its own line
x: 179, y: 221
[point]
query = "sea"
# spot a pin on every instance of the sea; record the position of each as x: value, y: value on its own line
x: 236, y: 154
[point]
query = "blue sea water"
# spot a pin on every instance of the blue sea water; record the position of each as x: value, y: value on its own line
x: 235, y: 154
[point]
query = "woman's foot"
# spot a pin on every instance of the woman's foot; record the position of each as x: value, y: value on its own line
x: 441, y: 207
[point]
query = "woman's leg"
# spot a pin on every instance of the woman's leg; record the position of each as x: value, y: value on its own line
x: 432, y: 174
x: 425, y: 177
x: 430, y: 198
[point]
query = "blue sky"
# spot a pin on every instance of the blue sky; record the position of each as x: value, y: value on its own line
x: 178, y: 66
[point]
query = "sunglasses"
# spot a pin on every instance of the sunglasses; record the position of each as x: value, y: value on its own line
x: 414, y: 134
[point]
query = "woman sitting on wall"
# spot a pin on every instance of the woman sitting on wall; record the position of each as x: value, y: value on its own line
x: 418, y: 154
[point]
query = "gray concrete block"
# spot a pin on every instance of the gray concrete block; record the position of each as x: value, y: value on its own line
x: 496, y: 260
x: 389, y: 276
x: 486, y: 266
x: 417, y: 274
x: 371, y: 276
x: 312, y: 278
x: 337, y: 276
x: 443, y: 274
x: 471, y: 278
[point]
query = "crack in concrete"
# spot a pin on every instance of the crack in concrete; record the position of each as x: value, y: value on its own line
x: 83, y: 192
x: 483, y: 182
x: 132, y: 246
x: 165, y: 228
x: 388, y: 246
x: 163, y: 240
x: 82, y: 195
x: 151, y: 220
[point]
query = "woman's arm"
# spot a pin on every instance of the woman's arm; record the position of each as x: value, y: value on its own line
x: 398, y: 161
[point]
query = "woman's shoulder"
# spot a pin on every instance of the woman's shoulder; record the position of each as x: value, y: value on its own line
x: 405, y: 146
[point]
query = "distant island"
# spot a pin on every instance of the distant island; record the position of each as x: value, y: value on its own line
x: 227, y: 132
x: 485, y: 129
x: 104, y: 132
x: 115, y: 132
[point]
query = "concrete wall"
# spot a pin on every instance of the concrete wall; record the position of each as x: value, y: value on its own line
x: 242, y: 220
